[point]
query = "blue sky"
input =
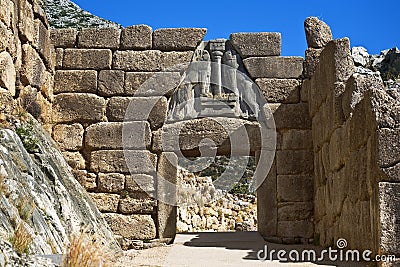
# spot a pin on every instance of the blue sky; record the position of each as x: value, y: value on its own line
x: 372, y: 24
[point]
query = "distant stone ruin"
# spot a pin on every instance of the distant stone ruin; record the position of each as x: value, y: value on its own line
x: 335, y: 166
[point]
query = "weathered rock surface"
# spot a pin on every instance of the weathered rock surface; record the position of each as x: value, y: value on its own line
x: 136, y: 37
x: 274, y: 67
x: 63, y: 38
x: 75, y: 81
x: 360, y: 56
x: 68, y: 137
x: 80, y: 107
x: 132, y: 226
x: 39, y: 191
x: 99, y: 38
x: 318, y: 33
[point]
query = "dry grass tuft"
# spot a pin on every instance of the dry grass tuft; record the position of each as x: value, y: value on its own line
x: 25, y: 206
x: 22, y: 239
x: 87, y: 250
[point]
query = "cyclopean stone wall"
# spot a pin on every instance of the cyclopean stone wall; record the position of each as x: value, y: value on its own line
x: 98, y: 73
x: 355, y: 133
x: 26, y: 59
x: 336, y: 168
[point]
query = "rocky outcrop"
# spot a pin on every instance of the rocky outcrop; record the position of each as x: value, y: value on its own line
x: 39, y: 193
x: 66, y: 14
x: 387, y: 63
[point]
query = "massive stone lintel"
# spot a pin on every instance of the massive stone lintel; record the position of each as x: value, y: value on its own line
x: 220, y: 130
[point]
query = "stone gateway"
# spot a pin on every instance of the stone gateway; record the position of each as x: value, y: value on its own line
x: 334, y: 167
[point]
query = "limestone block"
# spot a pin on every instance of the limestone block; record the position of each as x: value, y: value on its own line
x: 40, y: 13
x: 389, y: 204
x: 45, y: 109
x: 267, y: 216
x: 151, y: 84
x: 388, y: 147
x: 133, y: 161
x: 48, y: 86
x: 75, y: 81
x: 311, y: 61
x: 63, y: 38
x: 6, y: 38
x: 259, y: 44
x: 87, y: 180
x: 357, y: 87
x: 152, y: 109
x: 131, y: 226
x: 280, y: 90
x: 358, y: 127
x: 75, y: 160
x: 7, y: 73
x: 305, y: 88
x: 42, y: 43
x: 337, y: 148
x: 59, y: 58
x: 68, y: 137
x: 7, y: 102
x: 105, y: 202
x: 99, y: 38
x: 166, y: 209
x: 292, y: 116
x: 111, y: 82
x: 136, y: 37
x: 176, y: 39
x: 294, y: 161
x: 26, y: 25
x: 134, y: 80
x: 385, y: 100
x: 78, y: 59
x: 33, y: 67
x: 78, y: 107
x: 274, y: 67
x: 297, y: 139
x: 138, y: 204
x: 295, y: 211
x: 137, y: 60
x: 175, y: 61
x: 318, y: 33
x: 336, y: 64
x: 5, y: 12
x: 110, y: 182
x: 295, y: 188
x: 109, y: 135
x: 140, y: 182
x: 303, y: 229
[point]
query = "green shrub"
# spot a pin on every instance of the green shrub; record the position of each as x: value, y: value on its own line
x: 25, y: 132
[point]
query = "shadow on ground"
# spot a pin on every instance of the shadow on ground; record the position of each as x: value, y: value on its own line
x: 252, y: 242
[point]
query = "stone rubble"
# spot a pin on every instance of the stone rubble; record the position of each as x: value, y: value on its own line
x: 230, y: 212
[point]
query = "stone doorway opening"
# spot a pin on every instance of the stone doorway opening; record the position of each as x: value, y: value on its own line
x: 232, y: 210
